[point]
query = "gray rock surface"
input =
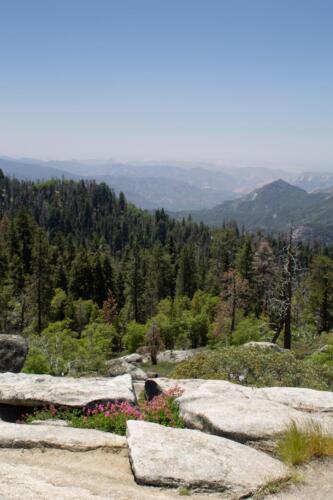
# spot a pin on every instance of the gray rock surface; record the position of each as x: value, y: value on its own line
x: 264, y: 345
x: 50, y: 474
x: 303, y: 399
x: 13, y: 351
x: 239, y: 418
x: 173, y: 356
x: 37, y: 390
x: 132, y: 358
x: 201, y: 386
x: 163, y: 456
x: 118, y: 366
x: 139, y: 388
x: 248, y: 414
x: 55, y: 423
x: 62, y: 437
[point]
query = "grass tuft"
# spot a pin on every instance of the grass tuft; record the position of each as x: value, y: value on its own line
x: 298, y: 446
x: 184, y: 492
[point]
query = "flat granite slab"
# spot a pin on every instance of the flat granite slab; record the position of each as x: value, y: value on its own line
x: 248, y: 414
x: 165, y: 456
x: 21, y: 389
x: 61, y: 437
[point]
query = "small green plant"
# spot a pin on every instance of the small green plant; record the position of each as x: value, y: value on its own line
x: 52, y: 413
x: 298, y: 446
x: 184, y: 492
x: 277, y: 486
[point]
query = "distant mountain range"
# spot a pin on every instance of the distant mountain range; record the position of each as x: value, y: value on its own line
x: 175, y: 187
x: 149, y: 187
x: 32, y: 171
x: 274, y: 208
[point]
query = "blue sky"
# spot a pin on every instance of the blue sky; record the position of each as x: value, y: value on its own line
x: 230, y: 81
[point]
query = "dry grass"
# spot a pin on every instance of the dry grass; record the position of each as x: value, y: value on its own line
x: 298, y: 446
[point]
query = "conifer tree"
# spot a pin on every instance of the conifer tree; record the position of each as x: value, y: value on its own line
x: 80, y: 276
x: 244, y: 260
x: 187, y: 273
x: 321, y: 293
x: 135, y: 284
x: 40, y: 283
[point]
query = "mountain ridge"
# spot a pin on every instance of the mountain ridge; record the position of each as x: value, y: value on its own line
x: 170, y: 186
x: 274, y: 207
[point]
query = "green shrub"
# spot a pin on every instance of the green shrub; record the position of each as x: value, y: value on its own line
x: 251, y: 329
x: 299, y: 446
x: 325, y: 356
x: 134, y: 336
x: 255, y: 367
x: 36, y: 362
x: 96, y: 344
x: 59, y: 351
x: 54, y: 351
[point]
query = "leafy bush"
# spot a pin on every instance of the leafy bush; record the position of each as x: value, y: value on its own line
x: 54, y: 351
x: 112, y: 417
x: 134, y: 336
x: 59, y: 350
x: 251, y: 329
x: 185, y: 323
x: 257, y: 367
x: 96, y: 344
x: 325, y: 356
x: 299, y: 446
x: 36, y: 362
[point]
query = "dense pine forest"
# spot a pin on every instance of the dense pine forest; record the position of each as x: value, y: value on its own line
x: 84, y: 275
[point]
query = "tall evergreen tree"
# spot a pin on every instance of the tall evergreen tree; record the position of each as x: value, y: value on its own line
x: 321, y: 293
x: 40, y: 283
x: 187, y: 273
x: 135, y: 285
x: 244, y: 260
x: 80, y: 276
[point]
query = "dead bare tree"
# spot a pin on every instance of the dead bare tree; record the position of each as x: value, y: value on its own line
x: 282, y: 303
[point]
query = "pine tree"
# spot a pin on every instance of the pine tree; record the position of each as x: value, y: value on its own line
x: 187, y: 273
x: 288, y: 292
x: 264, y: 269
x: 40, y: 283
x: 135, y: 285
x: 80, y: 276
x: 102, y: 277
x: 321, y: 293
x: 244, y: 260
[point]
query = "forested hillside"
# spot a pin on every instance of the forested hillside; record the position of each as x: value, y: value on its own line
x: 275, y: 206
x: 84, y: 274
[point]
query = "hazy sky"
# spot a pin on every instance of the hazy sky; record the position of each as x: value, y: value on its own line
x: 231, y: 81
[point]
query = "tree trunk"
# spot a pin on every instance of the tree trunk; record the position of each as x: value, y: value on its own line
x: 233, y: 306
x: 324, y: 312
x: 278, y: 331
x: 287, y: 318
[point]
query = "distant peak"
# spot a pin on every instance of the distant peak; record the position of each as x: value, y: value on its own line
x: 280, y: 184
